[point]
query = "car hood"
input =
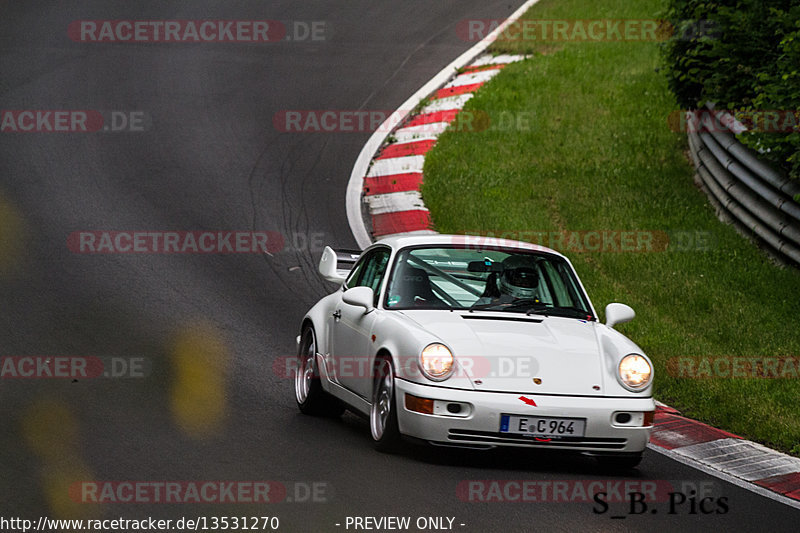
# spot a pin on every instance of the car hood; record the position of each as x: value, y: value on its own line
x: 510, y: 352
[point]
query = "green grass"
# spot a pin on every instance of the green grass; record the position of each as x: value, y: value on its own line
x: 598, y: 155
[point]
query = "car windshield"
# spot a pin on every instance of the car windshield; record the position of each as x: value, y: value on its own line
x: 496, y: 279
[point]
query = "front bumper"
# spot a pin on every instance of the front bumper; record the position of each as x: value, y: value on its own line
x: 480, y: 426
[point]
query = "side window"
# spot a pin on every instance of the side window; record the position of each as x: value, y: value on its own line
x: 352, y: 278
x: 566, y: 292
x: 544, y: 283
x: 560, y: 293
x: 571, y: 286
x: 369, y: 272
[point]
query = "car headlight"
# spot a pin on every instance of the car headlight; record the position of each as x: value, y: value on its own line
x: 635, y: 372
x: 436, y: 362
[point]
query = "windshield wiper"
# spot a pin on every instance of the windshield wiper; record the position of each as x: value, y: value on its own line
x: 568, y: 312
x: 475, y: 306
x: 536, y: 307
x: 531, y: 306
x: 504, y: 305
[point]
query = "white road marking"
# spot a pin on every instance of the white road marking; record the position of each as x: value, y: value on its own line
x: 396, y: 165
x: 496, y: 60
x: 761, y: 491
x: 741, y: 458
x: 395, y: 201
x: 472, y: 77
x: 421, y: 132
x: 447, y: 104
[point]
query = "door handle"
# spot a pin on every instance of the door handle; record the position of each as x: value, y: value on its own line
x: 337, y: 314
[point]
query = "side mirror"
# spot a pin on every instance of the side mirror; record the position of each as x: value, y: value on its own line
x: 327, y: 266
x: 360, y: 297
x: 618, y: 314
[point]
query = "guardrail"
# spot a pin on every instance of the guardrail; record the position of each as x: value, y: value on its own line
x: 756, y: 198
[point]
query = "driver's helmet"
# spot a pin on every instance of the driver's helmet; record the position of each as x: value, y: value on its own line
x: 519, y: 278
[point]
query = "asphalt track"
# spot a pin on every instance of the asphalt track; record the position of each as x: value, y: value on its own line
x: 211, y: 159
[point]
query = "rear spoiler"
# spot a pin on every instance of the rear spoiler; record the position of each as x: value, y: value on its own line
x: 335, y: 265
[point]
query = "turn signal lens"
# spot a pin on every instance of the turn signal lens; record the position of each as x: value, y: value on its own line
x: 419, y: 405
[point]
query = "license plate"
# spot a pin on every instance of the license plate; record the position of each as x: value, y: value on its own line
x: 542, y: 426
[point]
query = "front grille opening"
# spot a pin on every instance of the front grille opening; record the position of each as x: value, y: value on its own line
x: 496, y: 438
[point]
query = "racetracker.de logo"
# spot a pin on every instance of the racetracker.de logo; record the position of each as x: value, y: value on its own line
x: 72, y: 121
x: 730, y: 367
x: 360, y: 121
x: 353, y: 367
x: 177, y: 492
x: 73, y: 367
x: 49, y: 121
x: 174, y: 242
x: 583, y: 241
x: 737, y: 121
x: 176, y: 31
x: 575, y: 241
x: 561, y: 491
x: 563, y: 30
x: 330, y: 120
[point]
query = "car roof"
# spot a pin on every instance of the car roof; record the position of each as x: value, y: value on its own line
x: 403, y: 241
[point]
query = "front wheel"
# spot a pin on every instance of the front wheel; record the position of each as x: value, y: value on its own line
x: 308, y: 391
x: 383, y: 412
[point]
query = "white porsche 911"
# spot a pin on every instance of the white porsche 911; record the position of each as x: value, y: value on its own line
x: 474, y: 342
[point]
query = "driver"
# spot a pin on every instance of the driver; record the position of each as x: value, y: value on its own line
x: 519, y: 278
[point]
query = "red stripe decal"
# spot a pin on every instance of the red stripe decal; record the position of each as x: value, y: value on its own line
x: 781, y: 484
x: 667, y: 409
x: 404, y: 149
x: 400, y: 222
x: 453, y: 91
x: 673, y: 431
x: 431, y: 118
x: 795, y: 495
x: 392, y: 183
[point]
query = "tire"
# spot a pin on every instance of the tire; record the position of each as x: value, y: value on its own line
x: 311, y: 397
x: 619, y: 462
x: 383, y: 412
